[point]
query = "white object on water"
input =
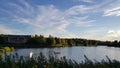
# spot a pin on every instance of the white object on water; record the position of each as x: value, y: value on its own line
x: 31, y: 54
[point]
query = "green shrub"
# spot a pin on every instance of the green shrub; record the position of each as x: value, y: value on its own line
x: 7, y: 49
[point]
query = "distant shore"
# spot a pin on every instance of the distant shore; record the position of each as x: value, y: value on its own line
x: 28, y: 41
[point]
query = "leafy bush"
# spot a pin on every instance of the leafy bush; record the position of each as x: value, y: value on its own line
x: 6, y: 49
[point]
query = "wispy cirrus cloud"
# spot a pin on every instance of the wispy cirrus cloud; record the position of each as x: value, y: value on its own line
x: 48, y: 19
x: 78, y: 9
x: 87, y: 1
x: 112, y: 11
x: 113, y: 8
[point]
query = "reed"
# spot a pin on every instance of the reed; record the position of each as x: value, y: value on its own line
x: 16, y: 61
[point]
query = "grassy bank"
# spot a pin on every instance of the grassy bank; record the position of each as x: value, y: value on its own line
x: 16, y: 61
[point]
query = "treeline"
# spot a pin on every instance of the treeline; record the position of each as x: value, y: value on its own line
x: 2, y: 39
x: 51, y: 41
x: 46, y: 41
x: 55, y: 41
x: 59, y: 42
x: 114, y: 43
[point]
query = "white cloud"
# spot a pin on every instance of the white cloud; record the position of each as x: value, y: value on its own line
x: 111, y: 31
x: 112, y: 11
x: 87, y: 1
x: 79, y: 9
x: 98, y: 7
x: 105, y: 7
x: 96, y: 34
x: 50, y: 20
x: 112, y: 35
x: 101, y: 34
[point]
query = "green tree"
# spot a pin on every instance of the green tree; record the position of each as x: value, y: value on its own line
x: 64, y: 42
x: 58, y: 40
x: 42, y: 39
x: 71, y: 42
x: 2, y: 39
x: 51, y: 40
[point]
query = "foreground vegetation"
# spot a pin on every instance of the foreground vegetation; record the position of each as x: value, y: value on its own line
x: 16, y: 61
x: 6, y: 49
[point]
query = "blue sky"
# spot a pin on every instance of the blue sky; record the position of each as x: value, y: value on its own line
x: 91, y: 19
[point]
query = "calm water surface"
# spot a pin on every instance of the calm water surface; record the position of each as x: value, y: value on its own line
x: 76, y: 53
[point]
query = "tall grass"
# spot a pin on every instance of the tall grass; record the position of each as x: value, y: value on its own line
x: 16, y: 61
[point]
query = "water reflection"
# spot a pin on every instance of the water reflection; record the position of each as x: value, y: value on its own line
x: 31, y: 54
x: 75, y: 53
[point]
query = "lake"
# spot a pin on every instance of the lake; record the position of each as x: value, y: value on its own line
x: 76, y: 53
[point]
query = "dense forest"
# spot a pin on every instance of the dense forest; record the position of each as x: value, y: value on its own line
x: 41, y: 41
